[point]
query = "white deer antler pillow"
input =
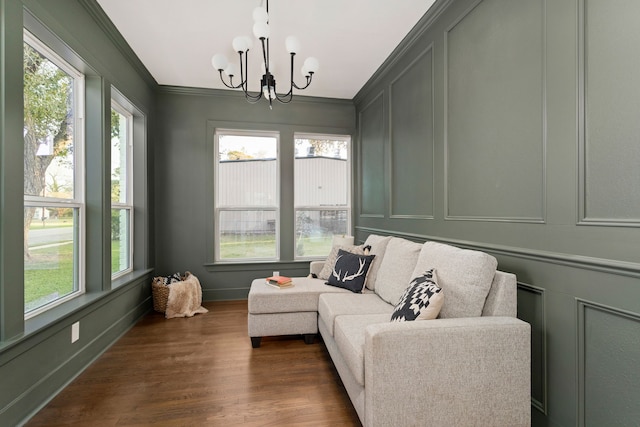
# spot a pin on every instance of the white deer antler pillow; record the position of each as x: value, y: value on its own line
x: 350, y: 271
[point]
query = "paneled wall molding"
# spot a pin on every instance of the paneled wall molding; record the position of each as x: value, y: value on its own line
x: 526, y: 220
x: 398, y: 53
x: 593, y: 192
x: 622, y: 268
x: 361, y: 168
x: 493, y: 180
x: 595, y: 388
x: 430, y: 168
x: 539, y: 348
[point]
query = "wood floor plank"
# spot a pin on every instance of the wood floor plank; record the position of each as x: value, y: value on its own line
x: 202, y: 371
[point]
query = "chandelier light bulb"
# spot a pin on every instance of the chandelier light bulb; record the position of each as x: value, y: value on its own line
x: 240, y: 44
x: 219, y: 61
x: 311, y: 64
x: 249, y: 41
x: 261, y: 30
x: 260, y: 15
x: 304, y: 71
x: 231, y: 70
x: 293, y: 44
x: 269, y: 92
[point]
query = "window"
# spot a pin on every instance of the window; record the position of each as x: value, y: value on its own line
x: 322, y: 192
x: 121, y: 189
x: 246, y: 196
x: 53, y: 178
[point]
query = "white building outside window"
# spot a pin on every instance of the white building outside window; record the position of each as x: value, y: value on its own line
x: 322, y: 192
x: 246, y: 195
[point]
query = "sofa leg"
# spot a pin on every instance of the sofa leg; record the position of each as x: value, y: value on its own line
x: 255, y: 342
x: 309, y: 338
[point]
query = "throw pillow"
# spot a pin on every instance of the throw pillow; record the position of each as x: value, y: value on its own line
x: 350, y: 271
x: 167, y: 280
x: 378, y: 245
x: 422, y: 300
x: 330, y: 262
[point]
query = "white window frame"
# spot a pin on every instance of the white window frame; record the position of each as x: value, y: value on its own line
x: 347, y: 207
x: 128, y: 204
x: 217, y: 209
x: 78, y: 200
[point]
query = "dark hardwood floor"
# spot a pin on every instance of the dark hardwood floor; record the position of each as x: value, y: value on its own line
x: 202, y: 371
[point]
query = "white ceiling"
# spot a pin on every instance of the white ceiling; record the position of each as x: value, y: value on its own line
x: 351, y: 38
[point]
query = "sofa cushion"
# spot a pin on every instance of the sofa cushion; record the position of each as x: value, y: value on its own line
x: 465, y: 277
x: 350, y: 271
x: 330, y: 262
x: 350, y: 332
x: 332, y: 305
x: 302, y: 296
x: 396, y: 269
x: 422, y: 300
x: 378, y: 247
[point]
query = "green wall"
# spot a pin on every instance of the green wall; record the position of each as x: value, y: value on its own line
x: 37, y: 358
x: 184, y: 178
x: 504, y: 126
x: 512, y: 127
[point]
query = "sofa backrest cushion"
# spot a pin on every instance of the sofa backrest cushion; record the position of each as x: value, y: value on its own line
x: 502, y: 299
x: 396, y: 269
x: 464, y: 275
x: 378, y: 248
x: 330, y: 262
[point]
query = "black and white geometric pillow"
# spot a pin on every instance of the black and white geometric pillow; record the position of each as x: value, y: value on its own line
x: 422, y: 300
x: 350, y: 271
x: 173, y: 278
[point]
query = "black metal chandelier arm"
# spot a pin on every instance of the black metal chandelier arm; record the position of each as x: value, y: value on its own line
x: 230, y: 85
x: 267, y: 89
x: 285, y: 99
x: 309, y: 78
x: 245, y: 80
x: 252, y: 99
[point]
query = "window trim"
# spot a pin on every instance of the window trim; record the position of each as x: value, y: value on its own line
x: 129, y: 204
x: 78, y: 200
x: 269, y: 208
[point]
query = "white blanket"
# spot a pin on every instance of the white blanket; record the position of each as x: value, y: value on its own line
x: 185, y: 298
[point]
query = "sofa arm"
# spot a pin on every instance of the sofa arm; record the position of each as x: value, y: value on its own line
x: 448, y: 372
x: 315, y: 267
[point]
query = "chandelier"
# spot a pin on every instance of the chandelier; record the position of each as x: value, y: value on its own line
x: 242, y: 45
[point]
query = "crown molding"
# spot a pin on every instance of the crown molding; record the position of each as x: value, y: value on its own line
x: 107, y: 26
x: 236, y: 94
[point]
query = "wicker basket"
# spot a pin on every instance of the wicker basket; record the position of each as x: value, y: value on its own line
x: 160, y: 293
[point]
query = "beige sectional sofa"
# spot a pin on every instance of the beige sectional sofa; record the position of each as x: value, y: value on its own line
x: 468, y: 367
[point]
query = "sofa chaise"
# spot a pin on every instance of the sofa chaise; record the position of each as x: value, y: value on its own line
x: 470, y: 366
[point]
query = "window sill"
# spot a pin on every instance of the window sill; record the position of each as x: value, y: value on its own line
x: 256, y: 265
x: 65, y: 310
